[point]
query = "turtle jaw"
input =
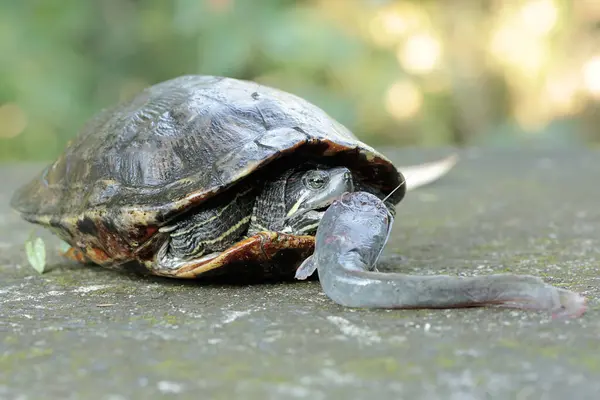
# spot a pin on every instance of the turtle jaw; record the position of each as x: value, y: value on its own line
x: 306, y: 211
x: 305, y: 223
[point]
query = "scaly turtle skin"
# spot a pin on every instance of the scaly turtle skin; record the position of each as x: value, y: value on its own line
x: 203, y: 172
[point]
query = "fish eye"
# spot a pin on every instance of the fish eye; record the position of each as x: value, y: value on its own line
x: 315, y: 179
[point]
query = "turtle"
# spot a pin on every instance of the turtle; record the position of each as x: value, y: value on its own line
x: 203, y: 175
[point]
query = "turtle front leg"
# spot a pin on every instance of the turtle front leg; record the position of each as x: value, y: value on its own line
x: 208, y: 230
x: 264, y: 252
x: 303, y: 224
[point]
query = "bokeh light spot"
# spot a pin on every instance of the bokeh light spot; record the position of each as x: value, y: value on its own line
x: 561, y: 92
x: 591, y: 76
x: 13, y: 120
x: 403, y: 100
x: 390, y: 24
x: 514, y: 47
x: 420, y: 54
x: 539, y: 16
x: 393, y: 23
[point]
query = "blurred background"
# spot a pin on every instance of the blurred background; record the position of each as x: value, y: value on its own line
x: 397, y: 73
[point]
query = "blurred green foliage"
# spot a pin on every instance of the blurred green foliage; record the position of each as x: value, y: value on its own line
x: 64, y: 61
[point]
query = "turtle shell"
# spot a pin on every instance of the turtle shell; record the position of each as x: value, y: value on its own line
x: 138, y: 165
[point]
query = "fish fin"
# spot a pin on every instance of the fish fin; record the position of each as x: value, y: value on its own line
x: 306, y: 269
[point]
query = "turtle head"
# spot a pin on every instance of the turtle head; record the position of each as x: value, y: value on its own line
x: 309, y: 192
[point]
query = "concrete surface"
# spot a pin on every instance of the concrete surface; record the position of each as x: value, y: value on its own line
x: 88, y: 333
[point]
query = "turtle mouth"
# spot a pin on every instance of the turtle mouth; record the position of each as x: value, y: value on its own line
x: 306, y: 222
x: 314, y: 214
x: 304, y: 213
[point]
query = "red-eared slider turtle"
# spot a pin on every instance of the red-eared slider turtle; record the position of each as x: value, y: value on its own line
x: 199, y: 173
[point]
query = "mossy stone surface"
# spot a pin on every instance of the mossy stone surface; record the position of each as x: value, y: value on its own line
x: 82, y: 332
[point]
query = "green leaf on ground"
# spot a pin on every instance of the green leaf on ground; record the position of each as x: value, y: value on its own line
x: 36, y: 254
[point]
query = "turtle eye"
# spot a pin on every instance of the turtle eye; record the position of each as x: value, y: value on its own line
x: 315, y: 179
